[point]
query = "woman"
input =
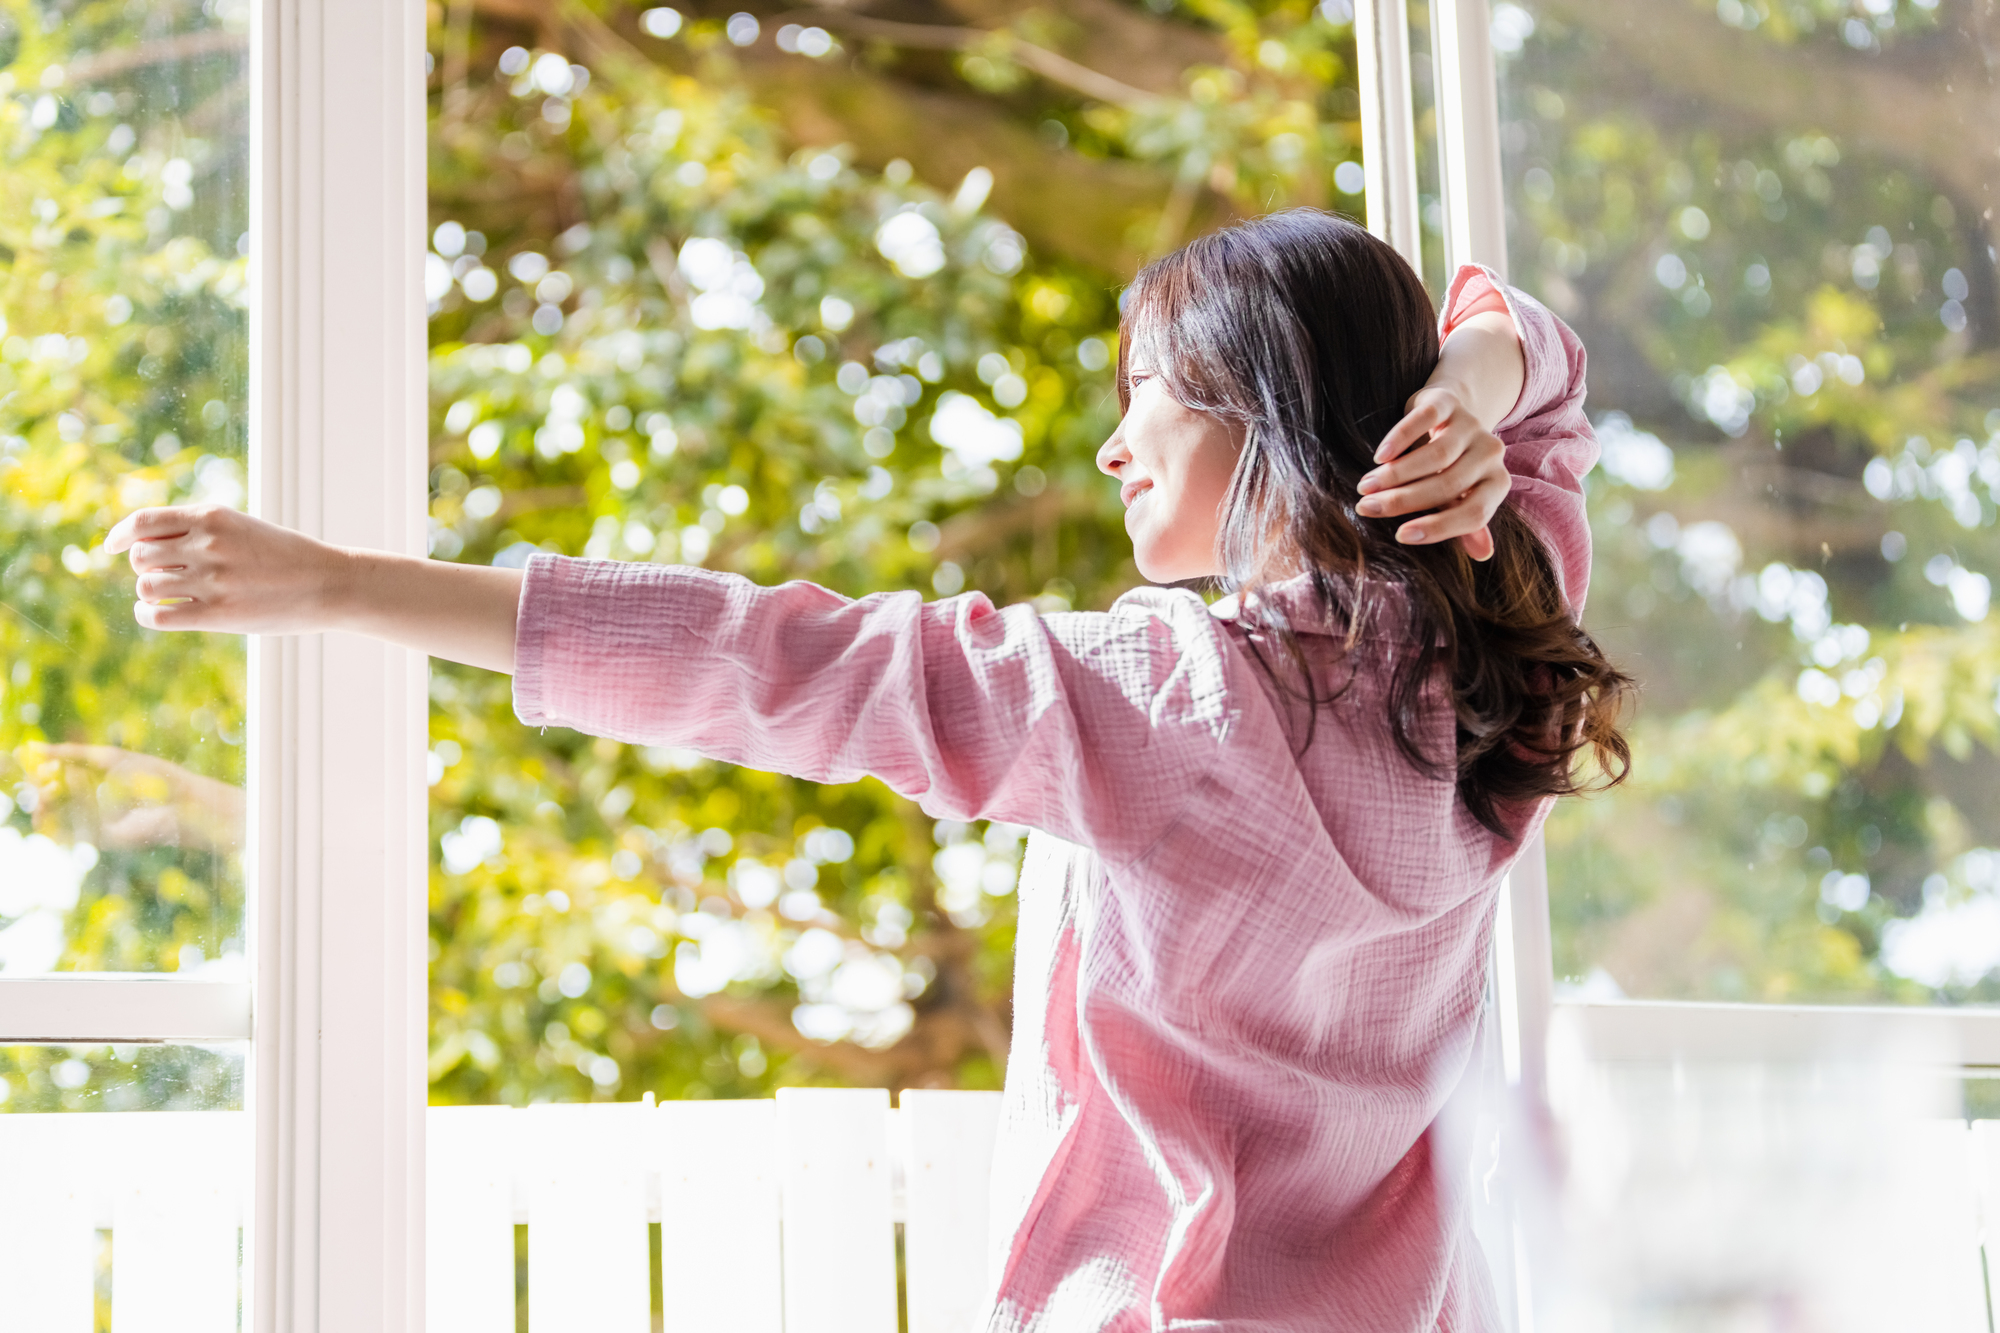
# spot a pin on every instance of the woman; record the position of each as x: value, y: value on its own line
x: 1269, y: 835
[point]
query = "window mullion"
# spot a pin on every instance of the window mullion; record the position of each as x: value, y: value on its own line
x: 1468, y: 107
x: 1476, y: 233
x: 1388, y: 131
x: 338, y: 810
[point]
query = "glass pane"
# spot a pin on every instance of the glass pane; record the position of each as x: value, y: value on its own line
x: 143, y: 1077
x: 104, y: 1216
x: 1829, y: 1195
x: 1430, y: 148
x: 1778, y: 250
x: 123, y: 374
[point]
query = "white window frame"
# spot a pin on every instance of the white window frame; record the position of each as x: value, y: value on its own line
x: 1476, y: 232
x: 334, y: 1010
x: 339, y: 802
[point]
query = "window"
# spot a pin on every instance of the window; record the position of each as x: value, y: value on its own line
x: 1810, y: 822
x: 124, y: 376
x: 127, y: 364
x: 675, y: 319
x: 198, y: 834
x: 1788, y: 301
x: 1789, y: 293
x: 1765, y: 226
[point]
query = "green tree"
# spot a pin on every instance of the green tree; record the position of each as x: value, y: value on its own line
x: 710, y: 334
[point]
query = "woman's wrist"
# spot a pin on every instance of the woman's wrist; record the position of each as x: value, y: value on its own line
x: 464, y: 613
x: 1484, y: 367
x: 1444, y: 380
x: 351, y: 583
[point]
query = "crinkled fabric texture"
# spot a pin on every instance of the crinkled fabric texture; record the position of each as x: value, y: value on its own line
x: 1248, y: 977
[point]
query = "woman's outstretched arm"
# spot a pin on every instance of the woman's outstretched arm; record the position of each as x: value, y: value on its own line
x: 1097, y: 727
x: 977, y: 713
x: 205, y: 567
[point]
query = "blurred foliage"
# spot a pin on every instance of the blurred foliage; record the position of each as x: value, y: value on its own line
x: 122, y: 1078
x: 1795, y: 326
x: 123, y: 374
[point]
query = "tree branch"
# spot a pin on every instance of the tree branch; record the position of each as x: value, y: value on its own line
x: 1148, y: 51
x: 1095, y: 211
x: 1945, y: 117
x: 1057, y: 69
x: 1098, y: 212
x: 1151, y: 54
x: 125, y: 59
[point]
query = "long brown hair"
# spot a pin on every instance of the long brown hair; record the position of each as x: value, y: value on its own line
x: 1312, y: 335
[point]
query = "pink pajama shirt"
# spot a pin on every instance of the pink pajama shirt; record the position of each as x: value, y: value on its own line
x: 1247, y: 978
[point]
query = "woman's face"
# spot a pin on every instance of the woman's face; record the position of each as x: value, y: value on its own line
x: 1173, y: 466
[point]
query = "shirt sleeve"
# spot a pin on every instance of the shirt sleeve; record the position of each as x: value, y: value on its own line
x: 1095, y: 727
x: 1550, y: 445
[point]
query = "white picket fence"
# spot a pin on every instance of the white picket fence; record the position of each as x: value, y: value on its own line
x: 167, y: 1185
x: 782, y: 1217
x: 775, y: 1216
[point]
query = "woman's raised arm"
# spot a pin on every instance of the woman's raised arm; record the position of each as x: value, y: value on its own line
x: 1442, y: 462
x: 1550, y: 445
x: 204, y: 567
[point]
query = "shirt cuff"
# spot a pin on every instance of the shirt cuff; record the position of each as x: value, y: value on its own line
x: 531, y: 636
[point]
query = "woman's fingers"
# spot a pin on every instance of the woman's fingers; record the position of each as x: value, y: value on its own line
x: 1443, y: 469
x: 164, y: 538
x: 1419, y: 496
x: 1440, y: 452
x: 1466, y: 516
x: 174, y: 551
x: 1428, y: 411
x: 179, y: 615
x: 209, y: 567
x: 157, y: 524
x: 146, y: 556
x: 164, y: 584
x: 1431, y: 438
x: 1440, y: 463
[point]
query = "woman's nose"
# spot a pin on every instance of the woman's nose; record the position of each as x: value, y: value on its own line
x: 1112, y: 454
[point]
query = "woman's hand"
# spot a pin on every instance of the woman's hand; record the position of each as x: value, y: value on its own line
x: 1441, y: 464
x: 205, y: 567
x: 1442, y: 461
x: 209, y: 568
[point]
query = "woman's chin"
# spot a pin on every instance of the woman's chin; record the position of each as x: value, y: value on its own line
x: 1146, y: 556
x: 1156, y: 568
